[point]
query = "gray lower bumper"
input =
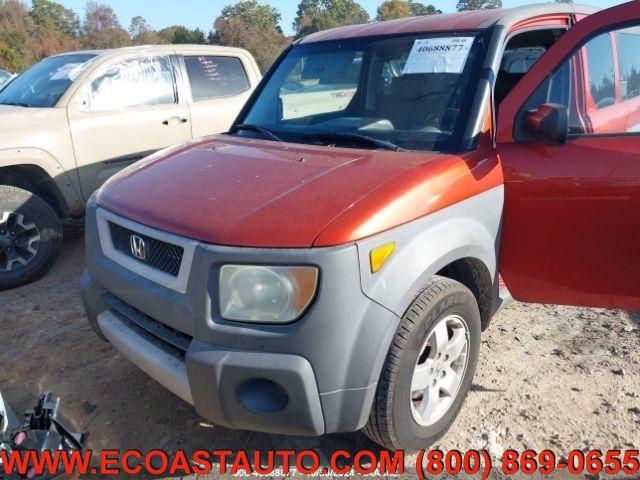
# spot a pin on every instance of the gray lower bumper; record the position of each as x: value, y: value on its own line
x: 244, y: 390
x: 271, y: 392
x: 166, y: 369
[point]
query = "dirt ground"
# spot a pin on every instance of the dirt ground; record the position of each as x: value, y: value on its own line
x: 549, y: 377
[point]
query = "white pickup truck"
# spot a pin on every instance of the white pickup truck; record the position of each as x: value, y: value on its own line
x: 73, y: 120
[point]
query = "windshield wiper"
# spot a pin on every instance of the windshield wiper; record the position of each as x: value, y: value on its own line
x: 15, y: 104
x: 358, y: 137
x: 255, y: 128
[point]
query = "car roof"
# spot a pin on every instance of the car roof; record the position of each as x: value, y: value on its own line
x: 472, y: 20
x: 178, y: 48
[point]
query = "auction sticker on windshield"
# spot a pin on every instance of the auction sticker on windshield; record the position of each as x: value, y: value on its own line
x: 438, y: 55
x: 70, y: 71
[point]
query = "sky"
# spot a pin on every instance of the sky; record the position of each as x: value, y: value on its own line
x: 202, y: 13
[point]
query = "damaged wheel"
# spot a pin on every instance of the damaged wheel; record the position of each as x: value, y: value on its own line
x: 30, y: 237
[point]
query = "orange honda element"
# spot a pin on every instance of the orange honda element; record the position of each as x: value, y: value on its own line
x: 329, y: 264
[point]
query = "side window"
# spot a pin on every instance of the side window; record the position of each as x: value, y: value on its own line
x: 600, y: 71
x: 215, y: 77
x: 520, y: 60
x: 134, y: 83
x: 628, y: 42
x: 585, y: 83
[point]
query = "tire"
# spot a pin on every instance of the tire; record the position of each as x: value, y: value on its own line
x: 395, y: 421
x: 38, y: 234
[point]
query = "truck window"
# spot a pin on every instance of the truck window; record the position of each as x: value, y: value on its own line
x: 585, y: 84
x: 44, y: 84
x: 628, y: 42
x: 521, y: 52
x: 601, y: 71
x: 215, y: 77
x: 520, y: 60
x: 134, y: 83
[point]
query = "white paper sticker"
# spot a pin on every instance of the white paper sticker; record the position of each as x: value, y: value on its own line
x: 438, y: 55
x: 70, y: 71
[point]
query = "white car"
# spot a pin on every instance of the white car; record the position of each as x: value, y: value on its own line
x: 73, y: 120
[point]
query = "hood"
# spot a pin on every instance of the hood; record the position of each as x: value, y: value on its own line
x: 232, y: 191
x: 32, y: 127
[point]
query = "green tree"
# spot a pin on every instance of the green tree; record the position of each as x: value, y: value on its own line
x: 316, y: 15
x: 141, y: 33
x: 418, y: 9
x: 253, y: 14
x: 179, y: 34
x: 253, y: 27
x: 26, y: 37
x: 102, y: 28
x: 138, y: 26
x: 392, y: 9
x: 17, y: 29
x: 166, y: 34
x: 55, y: 17
x: 465, y: 5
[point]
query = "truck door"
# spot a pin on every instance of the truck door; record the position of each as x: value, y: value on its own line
x: 568, y: 138
x: 126, y: 110
x: 219, y: 86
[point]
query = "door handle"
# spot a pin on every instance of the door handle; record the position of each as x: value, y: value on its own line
x: 179, y: 119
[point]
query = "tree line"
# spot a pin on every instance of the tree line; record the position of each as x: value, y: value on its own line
x: 31, y: 32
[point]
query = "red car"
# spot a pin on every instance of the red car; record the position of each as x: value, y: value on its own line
x: 329, y: 264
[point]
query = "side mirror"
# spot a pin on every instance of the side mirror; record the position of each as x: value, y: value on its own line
x: 549, y: 123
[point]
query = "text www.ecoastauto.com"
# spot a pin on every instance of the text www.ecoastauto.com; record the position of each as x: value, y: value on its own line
x: 201, y: 462
x: 308, y: 462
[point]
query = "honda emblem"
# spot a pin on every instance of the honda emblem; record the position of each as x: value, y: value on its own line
x: 138, y: 247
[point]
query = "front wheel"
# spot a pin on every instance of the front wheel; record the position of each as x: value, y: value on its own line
x: 30, y: 237
x: 429, y: 368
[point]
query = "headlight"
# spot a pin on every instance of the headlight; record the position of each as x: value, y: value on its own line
x: 263, y: 294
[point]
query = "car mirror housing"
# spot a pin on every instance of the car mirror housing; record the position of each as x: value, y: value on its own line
x: 549, y: 123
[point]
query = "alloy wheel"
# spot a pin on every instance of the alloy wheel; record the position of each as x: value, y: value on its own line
x: 439, y: 370
x: 19, y: 241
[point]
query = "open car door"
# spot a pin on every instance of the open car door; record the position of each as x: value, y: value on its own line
x: 569, y: 141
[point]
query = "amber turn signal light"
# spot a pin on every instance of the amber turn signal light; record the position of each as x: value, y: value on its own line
x: 380, y: 255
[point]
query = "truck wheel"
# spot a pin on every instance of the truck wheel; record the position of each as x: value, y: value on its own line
x: 30, y: 237
x: 429, y: 368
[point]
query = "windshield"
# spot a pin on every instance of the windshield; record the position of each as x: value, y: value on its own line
x: 44, y: 83
x: 410, y: 92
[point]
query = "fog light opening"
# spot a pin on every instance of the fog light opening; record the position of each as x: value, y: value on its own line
x: 262, y: 396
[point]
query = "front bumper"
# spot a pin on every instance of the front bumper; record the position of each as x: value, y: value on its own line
x: 315, y: 376
x: 237, y: 389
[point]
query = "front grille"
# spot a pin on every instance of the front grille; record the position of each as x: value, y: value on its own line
x: 160, y: 255
x: 169, y: 339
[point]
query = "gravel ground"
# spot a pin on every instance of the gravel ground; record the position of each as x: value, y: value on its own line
x: 549, y: 377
